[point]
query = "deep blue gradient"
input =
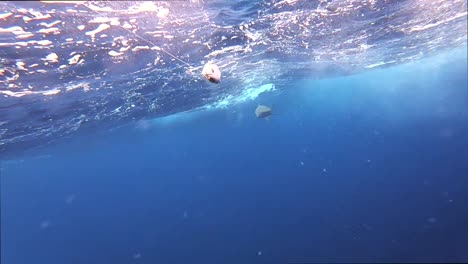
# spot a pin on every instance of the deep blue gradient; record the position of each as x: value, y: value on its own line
x: 364, y: 168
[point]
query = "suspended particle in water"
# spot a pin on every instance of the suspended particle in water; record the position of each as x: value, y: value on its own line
x: 44, y: 224
x: 263, y: 111
x: 70, y: 198
x: 212, y: 73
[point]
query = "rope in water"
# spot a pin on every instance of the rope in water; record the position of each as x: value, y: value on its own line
x: 210, y: 71
x: 142, y: 38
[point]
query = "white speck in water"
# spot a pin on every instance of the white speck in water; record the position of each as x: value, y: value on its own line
x: 115, y: 22
x: 70, y: 198
x: 52, y: 57
x: 44, y: 224
x: 137, y: 255
x: 164, y: 12
x: 75, y: 59
x: 114, y: 53
x: 259, y: 253
x: 324, y: 170
x: 302, y: 163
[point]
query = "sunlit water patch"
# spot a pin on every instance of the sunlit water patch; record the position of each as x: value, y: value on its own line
x: 71, y: 65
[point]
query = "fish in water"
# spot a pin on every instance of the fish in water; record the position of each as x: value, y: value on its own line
x: 263, y: 111
x: 212, y: 73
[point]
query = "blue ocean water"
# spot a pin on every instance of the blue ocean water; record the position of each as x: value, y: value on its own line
x: 364, y: 168
x: 113, y: 152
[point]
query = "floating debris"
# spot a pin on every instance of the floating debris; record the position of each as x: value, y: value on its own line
x: 263, y: 111
x: 212, y: 73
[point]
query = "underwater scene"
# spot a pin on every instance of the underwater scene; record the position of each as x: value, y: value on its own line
x: 237, y: 132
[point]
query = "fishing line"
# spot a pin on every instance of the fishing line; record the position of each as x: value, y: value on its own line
x: 142, y: 38
x: 210, y: 71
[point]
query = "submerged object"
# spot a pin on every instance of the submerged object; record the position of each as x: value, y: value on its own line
x: 211, y: 72
x: 263, y: 111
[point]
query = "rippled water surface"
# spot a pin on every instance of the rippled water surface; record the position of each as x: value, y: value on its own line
x: 67, y: 65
